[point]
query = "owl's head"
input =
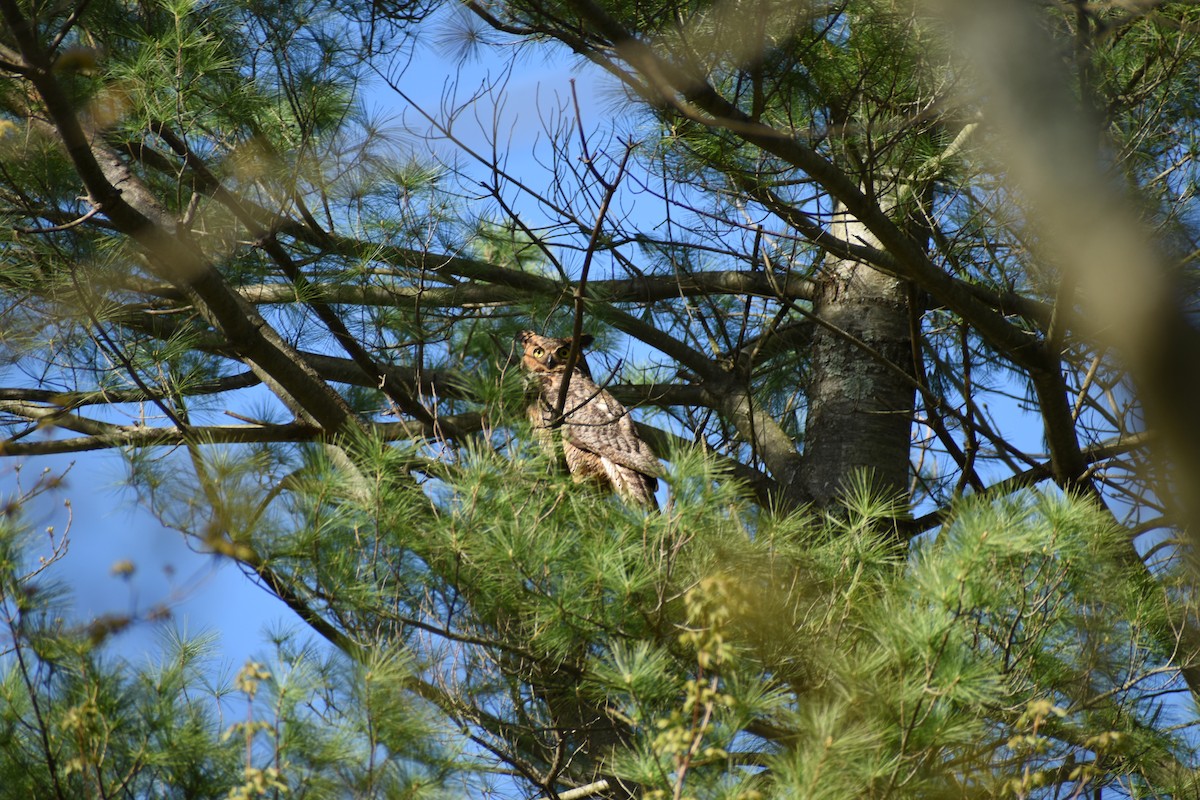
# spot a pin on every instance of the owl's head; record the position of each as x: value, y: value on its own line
x: 547, y: 353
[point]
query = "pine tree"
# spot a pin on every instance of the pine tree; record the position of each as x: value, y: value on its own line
x: 818, y: 245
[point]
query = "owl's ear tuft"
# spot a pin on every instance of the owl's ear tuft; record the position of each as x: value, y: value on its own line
x: 586, y: 340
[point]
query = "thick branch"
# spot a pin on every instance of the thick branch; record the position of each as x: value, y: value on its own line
x: 103, y: 436
x: 74, y: 399
x: 692, y: 96
x: 135, y: 212
x: 640, y: 289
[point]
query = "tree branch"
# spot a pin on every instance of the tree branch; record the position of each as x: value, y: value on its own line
x: 133, y: 210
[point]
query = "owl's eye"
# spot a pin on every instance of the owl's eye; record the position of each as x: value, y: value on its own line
x: 562, y: 352
x: 538, y: 352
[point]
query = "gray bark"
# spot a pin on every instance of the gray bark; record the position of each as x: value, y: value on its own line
x: 860, y: 391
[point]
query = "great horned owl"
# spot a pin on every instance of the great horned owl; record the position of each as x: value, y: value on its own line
x: 598, y: 436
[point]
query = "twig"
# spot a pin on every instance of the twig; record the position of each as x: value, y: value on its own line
x: 63, y: 227
x: 581, y: 792
x: 610, y: 189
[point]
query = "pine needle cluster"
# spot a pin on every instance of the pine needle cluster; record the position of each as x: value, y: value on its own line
x: 504, y: 627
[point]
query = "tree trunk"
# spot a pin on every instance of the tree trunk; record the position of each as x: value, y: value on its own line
x: 860, y: 392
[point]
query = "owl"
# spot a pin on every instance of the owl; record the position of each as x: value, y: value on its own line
x: 599, y: 439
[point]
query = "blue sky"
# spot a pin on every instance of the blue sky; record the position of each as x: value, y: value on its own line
x: 105, y: 526
x: 208, y: 593
x: 105, y: 523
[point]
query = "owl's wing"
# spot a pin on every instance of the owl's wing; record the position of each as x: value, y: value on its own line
x: 601, y: 425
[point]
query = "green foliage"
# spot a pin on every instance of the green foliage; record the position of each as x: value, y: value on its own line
x: 77, y: 722
x: 739, y: 654
x: 477, y: 624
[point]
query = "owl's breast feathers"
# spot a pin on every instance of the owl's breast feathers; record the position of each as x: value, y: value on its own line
x: 595, y: 422
x: 599, y: 439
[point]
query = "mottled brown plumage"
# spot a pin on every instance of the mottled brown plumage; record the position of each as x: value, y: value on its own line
x: 598, y: 437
